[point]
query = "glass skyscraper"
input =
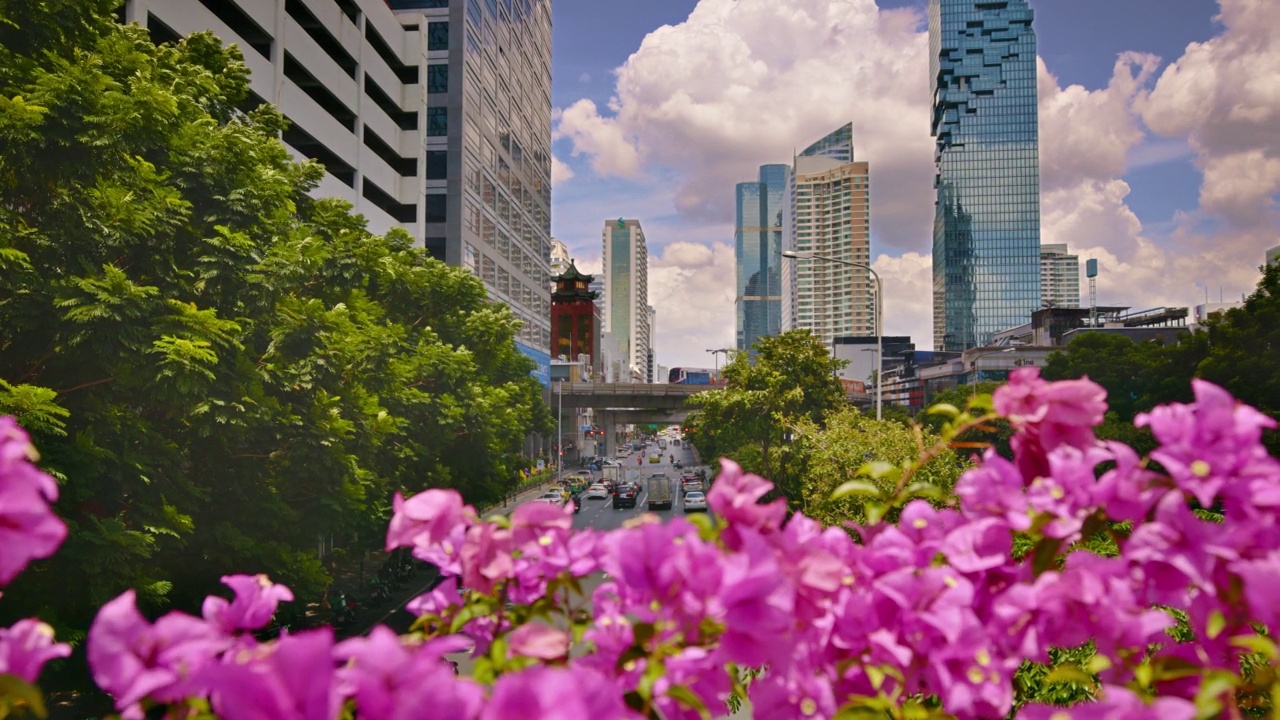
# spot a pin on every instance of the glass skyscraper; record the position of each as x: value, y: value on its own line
x: 758, y: 253
x: 986, y: 232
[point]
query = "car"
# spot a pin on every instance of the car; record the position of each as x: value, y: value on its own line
x: 552, y: 498
x: 625, y: 496
x: 597, y: 491
x: 690, y: 485
x: 695, y: 501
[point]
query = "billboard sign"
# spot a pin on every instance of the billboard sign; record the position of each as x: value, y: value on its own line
x: 541, y: 373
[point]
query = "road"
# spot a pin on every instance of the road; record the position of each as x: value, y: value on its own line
x: 600, y: 514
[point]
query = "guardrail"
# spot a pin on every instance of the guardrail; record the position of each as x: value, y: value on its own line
x: 654, y: 390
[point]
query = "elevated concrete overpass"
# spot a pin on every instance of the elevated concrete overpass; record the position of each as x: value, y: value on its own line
x: 627, y: 403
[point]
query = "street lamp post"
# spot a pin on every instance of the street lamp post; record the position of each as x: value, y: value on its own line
x: 559, y: 428
x: 716, y: 355
x: 878, y: 313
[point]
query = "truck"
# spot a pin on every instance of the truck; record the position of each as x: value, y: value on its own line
x: 662, y: 443
x: 612, y: 473
x: 659, y: 492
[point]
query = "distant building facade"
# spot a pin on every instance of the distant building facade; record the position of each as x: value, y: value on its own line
x: 828, y: 213
x: 626, y: 306
x: 1273, y: 256
x: 758, y: 255
x: 986, y: 232
x: 1059, y: 277
x: 559, y: 260
x: 652, y: 375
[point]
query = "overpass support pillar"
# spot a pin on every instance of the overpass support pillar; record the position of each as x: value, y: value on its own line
x: 608, y: 421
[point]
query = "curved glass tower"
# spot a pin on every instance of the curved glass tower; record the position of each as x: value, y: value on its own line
x: 986, y: 231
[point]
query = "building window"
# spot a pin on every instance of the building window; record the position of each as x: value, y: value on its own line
x: 437, y: 121
x: 438, y: 36
x: 436, y: 208
x: 438, y: 78
x: 436, y: 164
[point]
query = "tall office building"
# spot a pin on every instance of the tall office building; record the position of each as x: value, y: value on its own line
x: 651, y: 371
x: 828, y: 213
x: 429, y: 115
x: 1059, y: 277
x: 758, y: 254
x: 626, y: 302
x: 986, y: 231
x: 1273, y: 255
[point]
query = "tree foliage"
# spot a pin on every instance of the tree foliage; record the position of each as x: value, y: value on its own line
x: 838, y: 452
x: 222, y: 370
x: 793, y: 379
x: 1238, y: 349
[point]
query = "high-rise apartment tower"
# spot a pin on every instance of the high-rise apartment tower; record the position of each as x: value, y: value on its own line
x: 828, y: 213
x: 430, y: 115
x: 626, y: 301
x: 986, y: 231
x: 1059, y: 277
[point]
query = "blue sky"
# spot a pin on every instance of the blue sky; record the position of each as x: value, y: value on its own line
x: 1138, y: 200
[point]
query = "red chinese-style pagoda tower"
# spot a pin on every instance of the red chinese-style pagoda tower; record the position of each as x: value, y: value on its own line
x: 575, y: 329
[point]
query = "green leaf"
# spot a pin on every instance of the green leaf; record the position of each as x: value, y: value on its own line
x: 1045, y: 556
x: 945, y: 410
x: 1069, y: 672
x: 684, y: 696
x: 1256, y: 643
x: 1217, y: 623
x: 879, y: 469
x: 861, y: 488
x: 18, y: 695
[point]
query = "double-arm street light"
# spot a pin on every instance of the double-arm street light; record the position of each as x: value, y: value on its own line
x: 878, y: 311
x: 716, y: 353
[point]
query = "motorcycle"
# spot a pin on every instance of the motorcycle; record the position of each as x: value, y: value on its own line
x: 577, y: 503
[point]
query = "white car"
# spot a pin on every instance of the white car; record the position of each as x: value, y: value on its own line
x: 695, y: 501
x: 552, y: 498
x: 597, y: 491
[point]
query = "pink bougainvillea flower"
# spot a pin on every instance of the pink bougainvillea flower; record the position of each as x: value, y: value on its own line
x: 394, y: 678
x: 29, y: 530
x: 26, y: 647
x: 1211, y: 444
x: 486, y: 557
x: 543, y: 693
x: 1046, y: 415
x: 254, y: 604
x: 132, y: 659
x: 538, y: 641
x: 735, y: 497
x: 290, y: 678
x: 434, y: 523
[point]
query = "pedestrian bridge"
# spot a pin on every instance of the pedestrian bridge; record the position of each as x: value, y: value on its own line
x: 627, y: 403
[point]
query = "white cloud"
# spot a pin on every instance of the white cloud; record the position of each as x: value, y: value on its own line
x: 691, y: 286
x: 1223, y: 95
x: 908, y: 295
x: 612, y: 153
x: 742, y: 83
x: 560, y: 171
x: 584, y: 77
x: 1088, y: 134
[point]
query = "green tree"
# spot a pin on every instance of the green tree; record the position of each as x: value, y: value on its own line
x: 1136, y: 375
x: 221, y: 370
x: 793, y: 379
x: 836, y: 453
